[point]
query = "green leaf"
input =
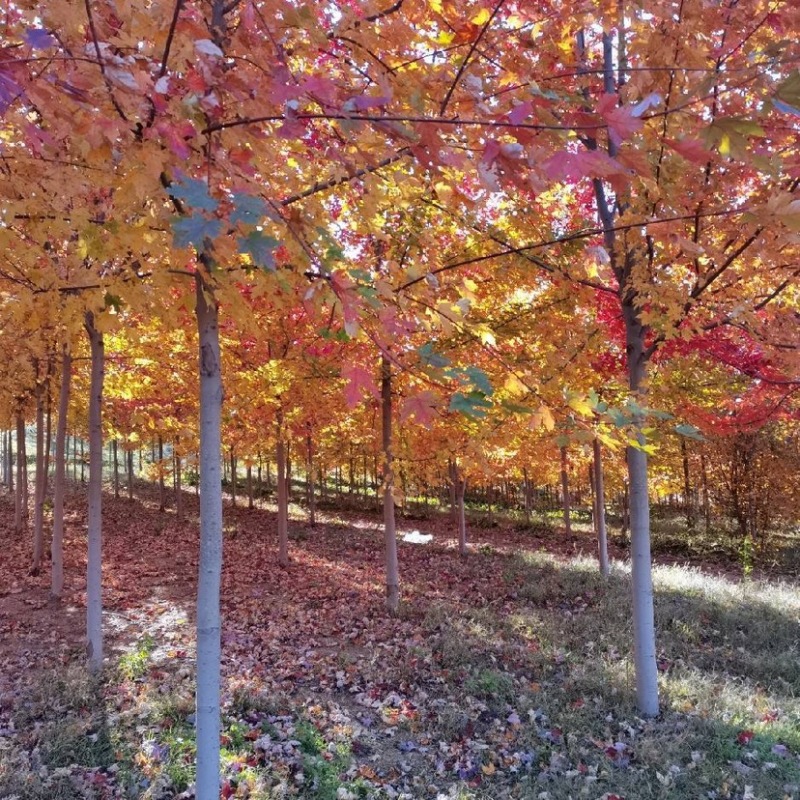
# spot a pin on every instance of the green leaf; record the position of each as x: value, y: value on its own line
x: 471, y: 405
x: 248, y: 209
x: 689, y: 431
x: 660, y: 414
x: 360, y: 275
x: 259, y: 247
x: 787, y: 95
x: 619, y: 418
x: 431, y: 358
x: 480, y: 380
x: 193, y: 231
x: 194, y: 193
x: 112, y: 301
x: 515, y: 408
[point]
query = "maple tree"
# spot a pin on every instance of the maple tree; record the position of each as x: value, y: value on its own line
x: 432, y: 179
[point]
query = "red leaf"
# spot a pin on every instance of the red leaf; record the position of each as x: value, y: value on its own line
x: 520, y: 113
x: 421, y: 406
x: 745, y: 737
x: 359, y: 380
x: 620, y: 120
x: 691, y: 149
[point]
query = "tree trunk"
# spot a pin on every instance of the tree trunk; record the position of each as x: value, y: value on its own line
x: 250, y: 500
x: 526, y: 488
x: 115, y: 455
x: 178, y: 484
x: 389, y: 529
x: 59, y: 481
x: 452, y: 480
x: 94, y: 568
x: 283, y: 499
x: 162, y: 492
x: 312, y: 500
x: 39, y: 490
x: 210, y: 568
x: 288, y: 454
x: 233, y: 477
x: 565, y: 491
x: 83, y: 461
x: 461, y: 488
x: 687, y: 487
x: 706, y: 502
x: 600, y: 508
x: 48, y: 430
x: 21, y: 507
x: 9, y: 465
x: 130, y: 474
x: 644, y: 637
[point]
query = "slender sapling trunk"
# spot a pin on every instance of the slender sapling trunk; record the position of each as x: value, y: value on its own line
x: 94, y: 569
x: 59, y: 481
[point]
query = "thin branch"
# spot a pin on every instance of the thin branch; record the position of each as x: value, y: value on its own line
x: 168, y: 44
x: 321, y: 186
x: 469, y: 121
x: 101, y: 63
x: 586, y: 233
x: 468, y: 56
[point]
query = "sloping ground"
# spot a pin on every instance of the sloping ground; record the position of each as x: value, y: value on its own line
x: 506, y: 674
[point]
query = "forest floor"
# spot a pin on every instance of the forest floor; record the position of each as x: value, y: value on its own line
x: 507, y: 673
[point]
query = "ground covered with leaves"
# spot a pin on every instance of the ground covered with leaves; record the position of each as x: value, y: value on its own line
x: 507, y: 673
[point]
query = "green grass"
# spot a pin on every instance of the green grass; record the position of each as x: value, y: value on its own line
x: 133, y: 664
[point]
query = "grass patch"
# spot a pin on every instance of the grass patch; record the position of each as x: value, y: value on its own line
x: 133, y: 664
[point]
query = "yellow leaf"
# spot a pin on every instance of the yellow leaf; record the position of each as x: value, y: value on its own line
x: 515, y: 387
x: 482, y: 17
x: 581, y: 406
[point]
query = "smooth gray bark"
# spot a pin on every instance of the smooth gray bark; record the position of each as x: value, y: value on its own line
x: 283, y: 497
x: 130, y: 474
x: 178, y: 485
x: 39, y: 489
x: 115, y: 456
x: 389, y: 527
x: 565, y: 491
x: 644, y: 636
x: 687, y: 487
x: 59, y: 481
x: 162, y: 494
x: 706, y: 499
x: 461, y: 488
x: 48, y: 429
x: 94, y: 568
x: 233, y: 471
x: 600, y: 508
x: 312, y: 500
x: 21, y: 497
x: 210, y: 567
